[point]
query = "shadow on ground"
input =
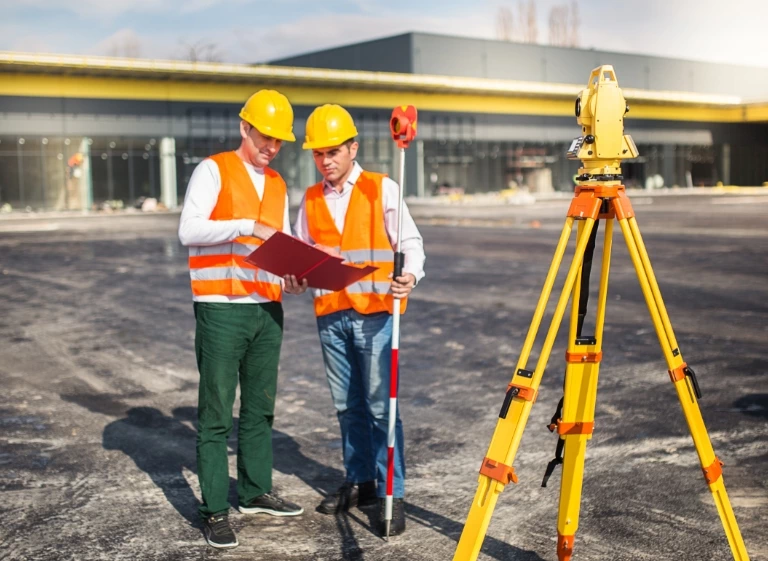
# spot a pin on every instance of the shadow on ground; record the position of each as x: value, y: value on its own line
x: 163, y: 447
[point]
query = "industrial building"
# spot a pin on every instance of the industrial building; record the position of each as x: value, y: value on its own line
x: 80, y: 133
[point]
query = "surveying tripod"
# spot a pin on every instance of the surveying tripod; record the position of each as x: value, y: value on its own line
x: 599, y: 196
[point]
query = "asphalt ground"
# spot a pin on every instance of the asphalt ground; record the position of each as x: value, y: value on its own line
x: 97, y: 447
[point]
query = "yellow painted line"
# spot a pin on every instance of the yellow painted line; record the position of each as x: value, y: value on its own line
x: 87, y: 87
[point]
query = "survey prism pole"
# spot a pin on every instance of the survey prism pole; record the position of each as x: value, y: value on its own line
x: 402, y: 125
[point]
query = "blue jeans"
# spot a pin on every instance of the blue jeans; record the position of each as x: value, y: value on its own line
x: 357, y: 349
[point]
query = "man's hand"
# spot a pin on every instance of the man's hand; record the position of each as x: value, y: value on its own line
x: 402, y: 286
x: 292, y: 285
x: 329, y: 250
x: 262, y: 232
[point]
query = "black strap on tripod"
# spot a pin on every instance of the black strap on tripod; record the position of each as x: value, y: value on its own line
x: 558, y: 460
x: 586, y: 270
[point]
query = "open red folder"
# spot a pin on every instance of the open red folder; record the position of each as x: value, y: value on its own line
x: 284, y: 255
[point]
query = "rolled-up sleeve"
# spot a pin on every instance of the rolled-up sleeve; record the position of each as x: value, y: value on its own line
x: 195, y: 225
x: 412, y: 244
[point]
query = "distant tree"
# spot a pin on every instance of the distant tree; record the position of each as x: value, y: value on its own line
x: 558, y: 26
x: 505, y: 25
x: 124, y: 44
x: 530, y: 32
x: 201, y: 51
x: 523, y: 29
x: 564, y: 25
x: 575, y: 23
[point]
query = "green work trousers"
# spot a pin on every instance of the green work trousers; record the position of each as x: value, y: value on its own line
x: 236, y: 342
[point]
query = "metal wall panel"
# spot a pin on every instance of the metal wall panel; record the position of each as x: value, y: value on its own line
x: 392, y: 54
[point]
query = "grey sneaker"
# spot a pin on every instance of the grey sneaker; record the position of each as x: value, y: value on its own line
x: 270, y: 504
x: 218, y: 532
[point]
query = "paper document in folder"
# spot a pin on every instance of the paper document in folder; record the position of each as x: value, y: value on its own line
x: 285, y: 255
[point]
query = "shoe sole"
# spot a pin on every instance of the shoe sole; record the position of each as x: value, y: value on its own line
x: 222, y: 545
x: 256, y: 510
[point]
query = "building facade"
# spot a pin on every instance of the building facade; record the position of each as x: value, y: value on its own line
x: 78, y: 134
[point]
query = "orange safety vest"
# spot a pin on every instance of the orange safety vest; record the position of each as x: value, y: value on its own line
x: 221, y: 269
x: 363, y: 241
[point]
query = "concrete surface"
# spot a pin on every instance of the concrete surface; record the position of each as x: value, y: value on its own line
x: 97, y: 414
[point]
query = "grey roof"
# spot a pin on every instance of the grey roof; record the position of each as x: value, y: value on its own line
x: 426, y: 53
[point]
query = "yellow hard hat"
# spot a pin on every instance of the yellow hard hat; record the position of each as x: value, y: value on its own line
x: 329, y: 125
x: 270, y: 113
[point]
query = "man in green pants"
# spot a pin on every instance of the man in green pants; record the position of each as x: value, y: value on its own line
x: 234, y: 202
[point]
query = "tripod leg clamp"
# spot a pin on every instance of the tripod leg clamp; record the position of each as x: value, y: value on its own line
x: 713, y: 472
x: 683, y: 371
x: 513, y: 390
x: 582, y: 357
x: 498, y: 471
x: 575, y: 428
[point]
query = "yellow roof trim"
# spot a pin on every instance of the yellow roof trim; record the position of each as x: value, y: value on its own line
x: 23, y: 63
x: 215, y: 91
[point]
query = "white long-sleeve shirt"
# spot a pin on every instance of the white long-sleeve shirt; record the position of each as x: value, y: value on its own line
x: 197, y: 229
x: 412, y: 244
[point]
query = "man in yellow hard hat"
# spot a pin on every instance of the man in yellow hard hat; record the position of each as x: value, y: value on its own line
x: 353, y: 212
x: 234, y: 202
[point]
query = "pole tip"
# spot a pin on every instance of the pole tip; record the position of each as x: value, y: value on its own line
x: 386, y: 530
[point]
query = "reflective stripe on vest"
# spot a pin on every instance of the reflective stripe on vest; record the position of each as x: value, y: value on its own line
x: 221, y: 269
x: 364, y: 241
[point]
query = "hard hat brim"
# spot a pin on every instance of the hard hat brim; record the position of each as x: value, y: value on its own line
x: 287, y: 136
x: 328, y: 143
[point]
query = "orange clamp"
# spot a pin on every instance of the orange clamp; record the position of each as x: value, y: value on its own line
x: 585, y: 205
x: 580, y: 357
x: 622, y: 207
x: 678, y: 373
x: 524, y: 392
x: 713, y: 472
x: 575, y: 428
x: 601, y: 191
x: 498, y: 471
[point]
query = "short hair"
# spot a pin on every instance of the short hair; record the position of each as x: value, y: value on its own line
x: 349, y: 142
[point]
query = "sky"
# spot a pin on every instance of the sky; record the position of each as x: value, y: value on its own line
x: 735, y: 31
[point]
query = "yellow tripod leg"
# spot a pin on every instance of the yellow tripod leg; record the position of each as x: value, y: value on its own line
x: 578, y: 414
x: 682, y: 377
x: 496, y: 470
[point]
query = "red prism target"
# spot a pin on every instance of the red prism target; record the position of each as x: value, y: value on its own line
x: 402, y: 125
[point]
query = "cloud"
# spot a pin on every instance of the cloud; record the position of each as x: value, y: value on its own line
x: 316, y: 33
x: 262, y: 30
x: 666, y: 28
x: 112, y: 9
x: 125, y: 43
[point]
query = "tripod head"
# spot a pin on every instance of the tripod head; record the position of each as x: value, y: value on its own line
x: 600, y: 110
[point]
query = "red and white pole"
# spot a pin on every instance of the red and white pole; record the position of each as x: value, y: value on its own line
x: 403, y: 129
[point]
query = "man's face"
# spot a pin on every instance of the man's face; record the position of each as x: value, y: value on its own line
x: 260, y: 149
x: 335, y: 162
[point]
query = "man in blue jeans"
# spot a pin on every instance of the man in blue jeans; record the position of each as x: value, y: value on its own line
x: 353, y: 213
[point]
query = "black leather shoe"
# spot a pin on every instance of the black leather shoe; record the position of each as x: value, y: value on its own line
x: 397, y: 524
x: 348, y: 496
